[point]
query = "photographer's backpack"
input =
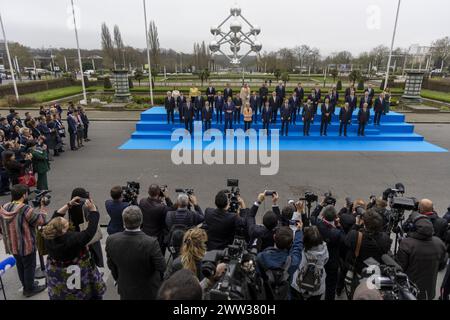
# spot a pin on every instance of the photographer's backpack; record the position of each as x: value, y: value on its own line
x: 310, y: 276
x: 277, y: 283
x: 176, y: 233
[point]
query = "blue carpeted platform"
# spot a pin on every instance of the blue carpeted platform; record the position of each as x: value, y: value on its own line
x: 394, y: 135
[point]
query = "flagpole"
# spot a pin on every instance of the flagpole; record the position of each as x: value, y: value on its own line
x: 9, y: 60
x: 79, y: 53
x: 148, y: 55
x: 392, y: 46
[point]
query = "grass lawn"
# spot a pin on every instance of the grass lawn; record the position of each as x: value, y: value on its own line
x: 436, y: 95
x: 53, y: 94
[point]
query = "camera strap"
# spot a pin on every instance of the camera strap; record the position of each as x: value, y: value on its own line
x: 358, y: 245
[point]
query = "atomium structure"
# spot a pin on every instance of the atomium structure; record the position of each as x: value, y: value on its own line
x: 235, y: 37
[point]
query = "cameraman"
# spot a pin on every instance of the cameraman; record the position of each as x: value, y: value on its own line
x: 18, y: 222
x: 114, y: 208
x: 222, y: 225
x: 183, y: 216
x: 380, y: 206
x: 262, y: 235
x: 154, y: 210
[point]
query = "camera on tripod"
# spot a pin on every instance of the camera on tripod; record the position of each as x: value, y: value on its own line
x: 240, y: 281
x: 389, y: 279
x: 233, y: 195
x: 310, y: 197
x: 39, y: 197
x: 130, y: 192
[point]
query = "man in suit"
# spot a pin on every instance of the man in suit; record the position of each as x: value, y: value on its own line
x: 371, y: 92
x: 365, y: 99
x: 326, y: 115
x: 210, y: 94
x: 229, y: 111
x: 352, y: 101
x: 188, y: 116
x: 135, y: 259
x: 237, y: 108
x: 307, y: 116
x: 315, y: 100
x: 199, y: 104
x: 344, y: 118
x: 169, y: 104
x: 281, y: 93
x: 349, y: 90
x: 363, y: 119
x: 219, y: 103
x: 334, y: 98
x: 285, y: 114
x: 318, y: 92
x: 207, y: 114
x: 72, y: 127
x: 181, y: 101
x: 266, y: 115
x: 379, y: 108
x: 294, y: 105
x: 228, y: 92
x: 300, y: 92
x: 274, y: 104
x: 263, y: 96
x: 254, y: 104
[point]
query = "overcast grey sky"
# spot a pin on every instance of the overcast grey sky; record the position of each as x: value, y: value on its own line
x: 330, y: 25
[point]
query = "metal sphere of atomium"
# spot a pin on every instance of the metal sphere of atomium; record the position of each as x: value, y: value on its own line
x: 256, y: 46
x: 255, y: 30
x: 214, y: 46
x: 215, y: 30
x: 235, y: 26
x: 235, y: 40
x: 234, y: 48
x: 235, y: 11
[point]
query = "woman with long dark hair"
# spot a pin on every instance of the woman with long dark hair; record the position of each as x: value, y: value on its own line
x: 14, y: 168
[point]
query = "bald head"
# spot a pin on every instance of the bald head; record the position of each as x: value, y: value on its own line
x: 425, y: 206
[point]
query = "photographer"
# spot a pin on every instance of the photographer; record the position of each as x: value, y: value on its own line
x: 331, y: 231
x: 183, y: 216
x: 14, y: 168
x: 114, y: 208
x: 67, y: 249
x: 374, y: 242
x: 347, y: 218
x: 222, y: 225
x: 422, y: 255
x: 380, y: 206
x: 40, y: 164
x: 262, y: 235
x: 154, y: 210
x: 18, y: 222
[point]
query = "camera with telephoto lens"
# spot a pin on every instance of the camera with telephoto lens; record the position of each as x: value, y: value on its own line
x: 389, y: 279
x: 233, y: 195
x: 39, y: 197
x: 130, y: 192
x: 329, y: 199
x: 240, y: 280
x: 310, y: 197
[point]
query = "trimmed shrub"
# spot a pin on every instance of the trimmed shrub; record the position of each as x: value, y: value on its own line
x: 23, y: 102
x: 107, y: 83
x: 339, y: 85
x: 360, y: 85
x: 130, y: 82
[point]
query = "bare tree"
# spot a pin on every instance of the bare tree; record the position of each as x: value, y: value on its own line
x: 441, y: 51
x: 107, y: 46
x: 119, y: 45
x: 302, y: 52
x: 155, y: 50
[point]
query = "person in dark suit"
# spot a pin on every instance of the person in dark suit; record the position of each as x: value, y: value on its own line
x: 344, y: 118
x: 169, y: 104
x: 274, y: 105
x: 349, y: 90
x: 371, y: 91
x: 266, y: 115
x: 263, y: 96
x: 227, y: 92
x: 255, y: 105
x: 300, y: 94
x: 294, y: 105
x: 207, y: 114
x: 285, y: 115
x: 72, y: 127
x: 181, y: 101
x: 199, y: 103
x: 363, y: 119
x: 315, y: 100
x: 352, y: 101
x: 221, y: 225
x: 307, y: 116
x: 326, y: 115
x: 365, y: 99
x: 188, y: 116
x: 237, y: 109
x: 219, y: 103
x: 135, y: 259
x: 281, y: 93
x: 211, y: 94
x: 229, y: 111
x: 334, y: 98
x: 379, y: 109
x: 318, y: 92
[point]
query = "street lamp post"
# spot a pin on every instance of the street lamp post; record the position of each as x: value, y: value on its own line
x: 79, y: 53
x: 392, y: 45
x: 148, y: 54
x: 9, y: 60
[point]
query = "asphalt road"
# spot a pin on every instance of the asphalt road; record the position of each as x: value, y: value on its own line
x: 100, y: 165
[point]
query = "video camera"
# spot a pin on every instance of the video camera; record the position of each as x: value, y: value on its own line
x: 233, y: 195
x: 189, y: 192
x: 391, y: 281
x: 329, y: 199
x: 310, y: 197
x: 131, y: 192
x: 40, y: 196
x: 240, y: 281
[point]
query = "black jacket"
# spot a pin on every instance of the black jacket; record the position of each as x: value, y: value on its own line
x: 154, y: 217
x: 259, y: 235
x: 136, y: 263
x: 334, y: 238
x: 185, y: 217
x: 421, y: 255
x: 221, y: 227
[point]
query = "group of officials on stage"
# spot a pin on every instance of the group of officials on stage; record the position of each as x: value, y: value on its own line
x: 227, y: 107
